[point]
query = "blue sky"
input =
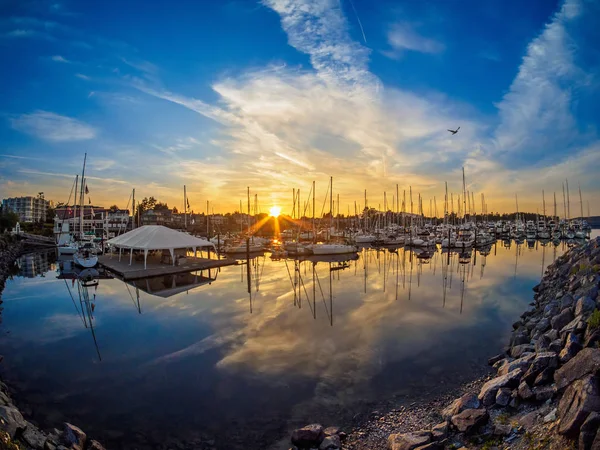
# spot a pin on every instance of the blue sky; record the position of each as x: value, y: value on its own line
x: 220, y: 95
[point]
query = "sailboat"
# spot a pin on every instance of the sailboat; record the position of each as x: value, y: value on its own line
x: 85, y: 256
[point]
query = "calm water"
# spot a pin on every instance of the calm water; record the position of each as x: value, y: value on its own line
x: 217, y: 363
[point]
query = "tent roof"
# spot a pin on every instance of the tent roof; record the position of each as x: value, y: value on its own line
x: 157, y: 237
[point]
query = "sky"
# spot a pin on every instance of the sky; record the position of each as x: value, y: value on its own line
x: 275, y: 94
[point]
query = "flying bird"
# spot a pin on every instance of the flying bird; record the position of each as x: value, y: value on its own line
x: 454, y: 131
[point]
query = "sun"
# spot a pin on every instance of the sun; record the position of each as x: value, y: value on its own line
x: 275, y: 211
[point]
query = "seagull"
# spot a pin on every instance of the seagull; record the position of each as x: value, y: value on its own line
x: 454, y: 131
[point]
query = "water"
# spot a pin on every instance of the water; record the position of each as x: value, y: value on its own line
x: 217, y: 363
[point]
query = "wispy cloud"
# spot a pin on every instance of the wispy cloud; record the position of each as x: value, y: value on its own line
x: 68, y: 175
x: 58, y: 58
x: 53, y: 127
x: 402, y: 37
x: 82, y: 76
x: 536, y: 113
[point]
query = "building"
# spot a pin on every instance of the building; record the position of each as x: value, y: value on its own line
x: 96, y: 220
x: 29, y: 209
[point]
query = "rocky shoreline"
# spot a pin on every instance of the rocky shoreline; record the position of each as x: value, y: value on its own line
x: 545, y: 393
x: 15, y: 431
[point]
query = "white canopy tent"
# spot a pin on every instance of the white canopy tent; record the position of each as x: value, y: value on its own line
x: 157, y: 237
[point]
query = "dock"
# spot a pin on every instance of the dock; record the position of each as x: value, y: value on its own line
x: 155, y: 268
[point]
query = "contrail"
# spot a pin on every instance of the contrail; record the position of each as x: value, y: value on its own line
x: 359, y: 23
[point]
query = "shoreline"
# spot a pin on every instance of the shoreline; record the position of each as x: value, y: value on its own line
x: 545, y: 393
x: 15, y: 431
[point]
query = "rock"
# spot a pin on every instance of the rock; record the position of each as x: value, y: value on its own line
x: 543, y: 393
x: 588, y: 431
x: 543, y: 325
x: 440, y: 431
x: 580, y: 399
x: 592, y: 338
x: 525, y: 391
x: 571, y: 348
x: 503, y: 396
x: 567, y: 301
x: 431, y: 446
x: 542, y: 344
x: 550, y: 417
x: 33, y: 437
x: 552, y: 335
x: 518, y: 350
x: 540, y: 362
x: 529, y: 420
x: 551, y: 310
x: 408, y: 441
x: 556, y: 346
x: 584, y: 305
x: 502, y: 429
x: 545, y: 376
x: 596, y: 444
x: 562, y: 319
x: 11, y: 420
x: 73, y: 435
x: 571, y: 326
x: 330, y: 431
x: 489, y: 390
x: 470, y: 419
x: 309, y: 436
x: 520, y: 339
x: 331, y: 442
x: 521, y: 363
x: 586, y: 362
x: 467, y: 401
x: 493, y: 360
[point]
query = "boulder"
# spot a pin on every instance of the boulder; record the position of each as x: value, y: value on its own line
x: 408, y: 441
x: 489, y: 390
x: 552, y: 335
x: 518, y: 350
x: 567, y: 301
x: 596, y: 444
x: 562, y: 319
x: 592, y: 338
x: 580, y: 399
x: 542, y: 344
x: 11, y: 420
x: 525, y: 391
x: 556, y: 346
x: 545, y: 376
x: 33, y: 437
x: 440, y: 431
x: 494, y: 359
x: 502, y: 429
x: 584, y: 306
x: 73, y: 435
x: 470, y: 419
x: 331, y: 442
x: 571, y: 348
x: 540, y: 362
x: 588, y: 431
x: 543, y: 325
x: 309, y: 436
x: 431, y: 446
x: 503, y: 396
x: 571, y: 326
x: 521, y: 363
x: 551, y: 309
x: 586, y: 362
x: 467, y: 401
x: 543, y: 393
x: 330, y: 431
x: 520, y: 338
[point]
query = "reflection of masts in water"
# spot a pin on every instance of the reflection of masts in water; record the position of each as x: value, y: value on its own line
x: 365, y: 267
x: 87, y: 310
x: 462, y: 288
x: 543, y: 260
x: 483, y: 262
x: 397, y: 273
x: 137, y: 304
x: 445, y: 280
x: 517, y: 257
x: 410, y: 257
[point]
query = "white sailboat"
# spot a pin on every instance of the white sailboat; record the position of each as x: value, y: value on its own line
x: 85, y: 256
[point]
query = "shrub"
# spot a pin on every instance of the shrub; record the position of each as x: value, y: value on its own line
x: 594, y: 320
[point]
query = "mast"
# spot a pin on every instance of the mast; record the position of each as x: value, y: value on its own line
x: 133, y: 208
x: 464, y: 196
x: 568, y: 202
x: 555, y: 217
x: 330, y: 206
x: 82, y: 196
x: 564, y: 203
x: 313, y: 213
x: 544, y: 207
x: 184, y: 208
x: 75, y: 203
x: 581, y: 202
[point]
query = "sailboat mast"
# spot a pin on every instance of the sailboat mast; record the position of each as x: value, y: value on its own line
x: 313, y: 213
x: 75, y: 203
x: 564, y: 202
x: 133, y: 208
x: 581, y: 202
x: 184, y: 208
x: 82, y: 196
x: 330, y: 205
x: 464, y: 196
x: 568, y: 202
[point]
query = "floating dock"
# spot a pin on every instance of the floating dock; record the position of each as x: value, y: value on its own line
x: 155, y: 267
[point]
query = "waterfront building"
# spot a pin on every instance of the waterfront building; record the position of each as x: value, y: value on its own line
x: 29, y: 209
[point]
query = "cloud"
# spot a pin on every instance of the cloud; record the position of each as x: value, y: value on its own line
x: 536, y: 114
x: 68, y: 175
x: 82, y: 76
x: 53, y: 127
x: 58, y: 58
x: 402, y: 37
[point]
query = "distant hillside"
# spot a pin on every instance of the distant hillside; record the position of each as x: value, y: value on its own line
x: 594, y: 221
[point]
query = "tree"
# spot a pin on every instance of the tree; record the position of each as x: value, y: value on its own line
x: 113, y: 208
x: 50, y: 214
x: 175, y: 210
x: 145, y: 205
x: 8, y: 220
x: 161, y: 206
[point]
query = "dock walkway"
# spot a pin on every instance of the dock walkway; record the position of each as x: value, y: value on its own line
x: 155, y: 268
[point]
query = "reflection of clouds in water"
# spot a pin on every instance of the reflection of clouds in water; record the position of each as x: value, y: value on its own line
x: 54, y: 328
